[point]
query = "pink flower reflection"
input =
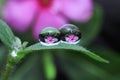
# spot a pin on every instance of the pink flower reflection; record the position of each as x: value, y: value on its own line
x: 50, y: 40
x: 71, y: 38
x: 21, y: 14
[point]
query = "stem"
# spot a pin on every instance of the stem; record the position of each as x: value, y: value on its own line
x: 50, y: 69
x: 7, y: 72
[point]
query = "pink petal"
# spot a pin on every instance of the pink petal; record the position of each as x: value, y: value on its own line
x: 67, y: 39
x: 76, y: 38
x: 50, y: 40
x: 19, y: 14
x: 55, y: 7
x: 78, y: 10
x: 47, y: 19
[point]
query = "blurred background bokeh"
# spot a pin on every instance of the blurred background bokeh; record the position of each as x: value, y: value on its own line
x: 100, y: 34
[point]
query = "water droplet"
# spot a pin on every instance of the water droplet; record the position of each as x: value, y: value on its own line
x: 49, y: 36
x: 70, y: 34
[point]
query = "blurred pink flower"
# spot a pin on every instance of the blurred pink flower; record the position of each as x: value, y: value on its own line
x: 21, y: 14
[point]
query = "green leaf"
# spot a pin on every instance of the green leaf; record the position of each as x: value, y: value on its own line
x: 38, y: 46
x: 24, y: 44
x: 6, y: 35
